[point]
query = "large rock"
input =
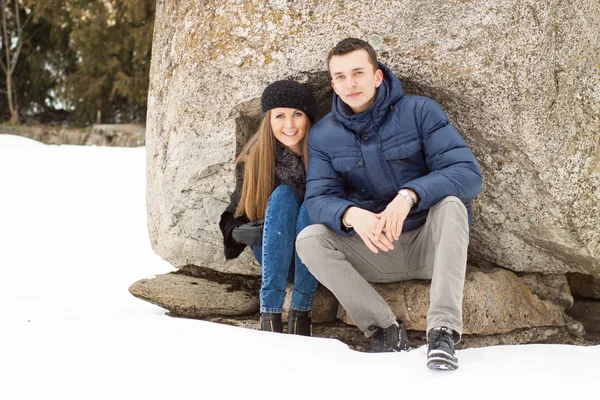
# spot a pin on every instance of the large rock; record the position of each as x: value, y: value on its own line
x: 550, y: 287
x: 195, y: 292
x: 324, y: 305
x: 193, y: 297
x: 494, y: 302
x: 542, y: 334
x: 519, y: 78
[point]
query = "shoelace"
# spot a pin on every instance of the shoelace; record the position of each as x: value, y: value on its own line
x: 442, y: 335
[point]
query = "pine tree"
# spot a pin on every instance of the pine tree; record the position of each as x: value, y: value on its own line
x: 90, y: 57
x: 112, y: 40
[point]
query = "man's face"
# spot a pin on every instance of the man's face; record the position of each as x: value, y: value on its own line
x: 353, y: 79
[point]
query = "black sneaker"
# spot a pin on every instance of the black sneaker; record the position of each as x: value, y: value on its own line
x: 299, y: 323
x: 440, y: 351
x: 271, y: 322
x: 390, y: 339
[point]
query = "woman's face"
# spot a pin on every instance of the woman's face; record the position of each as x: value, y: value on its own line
x: 289, y: 127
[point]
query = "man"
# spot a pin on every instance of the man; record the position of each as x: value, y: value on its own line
x: 389, y: 182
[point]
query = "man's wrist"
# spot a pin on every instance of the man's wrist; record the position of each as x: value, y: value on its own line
x: 410, y: 196
x: 345, y: 221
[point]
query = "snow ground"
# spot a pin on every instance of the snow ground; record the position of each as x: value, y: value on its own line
x: 73, y: 237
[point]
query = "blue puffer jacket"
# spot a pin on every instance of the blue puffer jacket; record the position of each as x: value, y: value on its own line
x: 400, y: 142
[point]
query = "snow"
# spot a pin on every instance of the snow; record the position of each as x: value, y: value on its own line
x: 73, y: 237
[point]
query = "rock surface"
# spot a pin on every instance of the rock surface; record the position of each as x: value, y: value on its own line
x: 554, y: 288
x: 584, y: 286
x: 519, y: 78
x: 494, y: 302
x: 192, y: 297
x: 118, y: 135
x: 324, y: 307
x: 198, y: 293
x: 499, y: 309
x: 130, y: 135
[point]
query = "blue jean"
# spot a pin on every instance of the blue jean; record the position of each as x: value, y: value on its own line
x: 285, y: 218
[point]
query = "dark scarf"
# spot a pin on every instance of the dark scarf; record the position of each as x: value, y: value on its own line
x: 289, y: 170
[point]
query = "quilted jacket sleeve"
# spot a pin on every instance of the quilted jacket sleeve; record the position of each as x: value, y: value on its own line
x: 454, y: 169
x: 324, y: 200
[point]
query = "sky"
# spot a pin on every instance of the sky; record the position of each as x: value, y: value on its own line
x: 73, y: 238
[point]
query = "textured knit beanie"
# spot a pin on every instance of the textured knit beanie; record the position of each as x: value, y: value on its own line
x: 289, y: 94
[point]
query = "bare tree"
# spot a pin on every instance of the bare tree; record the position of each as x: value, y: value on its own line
x: 12, y: 42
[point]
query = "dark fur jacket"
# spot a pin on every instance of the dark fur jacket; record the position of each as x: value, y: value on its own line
x: 289, y: 170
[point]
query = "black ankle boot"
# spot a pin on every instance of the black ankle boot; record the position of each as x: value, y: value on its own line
x: 299, y: 323
x: 271, y: 322
x: 390, y: 339
x: 440, y: 349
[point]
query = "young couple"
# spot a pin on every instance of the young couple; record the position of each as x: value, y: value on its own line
x: 378, y: 192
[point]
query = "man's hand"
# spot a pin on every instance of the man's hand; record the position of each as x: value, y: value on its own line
x: 365, y: 223
x: 392, y: 218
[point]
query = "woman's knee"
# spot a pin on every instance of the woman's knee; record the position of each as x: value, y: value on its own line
x: 303, y: 220
x: 284, y: 194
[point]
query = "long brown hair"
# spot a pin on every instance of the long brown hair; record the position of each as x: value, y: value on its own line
x: 258, y: 156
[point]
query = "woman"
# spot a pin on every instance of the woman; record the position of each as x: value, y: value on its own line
x: 270, y: 186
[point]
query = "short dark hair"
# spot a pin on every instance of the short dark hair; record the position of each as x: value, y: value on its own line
x: 349, y: 45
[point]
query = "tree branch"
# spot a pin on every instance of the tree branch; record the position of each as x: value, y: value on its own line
x: 17, y: 17
x: 15, y: 94
x: 27, y: 20
x: 2, y: 65
x: 30, y: 36
x: 5, y: 32
x: 13, y: 64
x: 2, y: 29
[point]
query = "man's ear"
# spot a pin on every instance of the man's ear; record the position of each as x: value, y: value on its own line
x: 333, y: 86
x: 378, y: 78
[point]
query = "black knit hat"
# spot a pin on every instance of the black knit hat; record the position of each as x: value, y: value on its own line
x: 289, y: 94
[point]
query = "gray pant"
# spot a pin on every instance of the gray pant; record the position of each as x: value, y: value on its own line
x: 436, y: 251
